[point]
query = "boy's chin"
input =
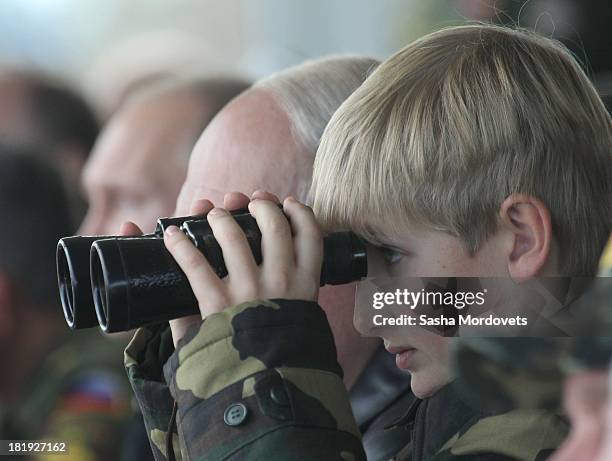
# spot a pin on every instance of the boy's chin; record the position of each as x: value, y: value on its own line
x: 425, y: 383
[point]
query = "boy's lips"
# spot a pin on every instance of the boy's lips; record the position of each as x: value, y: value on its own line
x: 403, y: 355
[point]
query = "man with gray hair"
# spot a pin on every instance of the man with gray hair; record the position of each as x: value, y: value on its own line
x: 264, y: 139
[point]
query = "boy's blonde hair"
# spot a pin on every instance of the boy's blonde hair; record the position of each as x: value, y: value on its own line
x: 447, y: 128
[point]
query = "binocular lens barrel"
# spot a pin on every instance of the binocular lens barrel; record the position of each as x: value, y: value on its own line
x: 73, y: 272
x: 137, y: 282
x: 345, y: 259
x: 74, y: 281
x: 122, y: 283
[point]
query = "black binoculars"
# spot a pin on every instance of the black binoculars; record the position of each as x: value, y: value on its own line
x: 123, y: 283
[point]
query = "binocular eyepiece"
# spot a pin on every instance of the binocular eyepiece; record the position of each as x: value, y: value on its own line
x: 122, y: 283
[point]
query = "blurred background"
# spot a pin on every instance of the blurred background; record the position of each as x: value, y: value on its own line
x: 103, y: 46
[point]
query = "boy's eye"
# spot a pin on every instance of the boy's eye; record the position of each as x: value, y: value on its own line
x: 391, y: 256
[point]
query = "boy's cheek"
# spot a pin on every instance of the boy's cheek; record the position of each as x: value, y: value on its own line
x: 432, y: 370
x: 459, y: 263
x: 430, y: 379
x: 443, y: 255
x: 437, y: 348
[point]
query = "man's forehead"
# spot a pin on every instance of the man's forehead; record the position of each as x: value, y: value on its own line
x: 248, y: 143
x: 115, y: 179
x: 214, y: 180
x: 254, y: 122
x: 118, y: 161
x: 248, y: 146
x: 112, y: 154
x: 135, y: 139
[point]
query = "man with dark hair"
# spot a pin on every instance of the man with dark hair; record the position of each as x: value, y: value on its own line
x: 44, y: 114
x: 54, y: 385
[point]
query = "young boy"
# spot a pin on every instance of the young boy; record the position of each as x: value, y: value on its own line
x: 474, y: 151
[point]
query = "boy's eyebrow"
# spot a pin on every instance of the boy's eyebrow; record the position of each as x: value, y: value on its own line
x: 395, y: 248
x: 381, y: 243
x: 374, y: 240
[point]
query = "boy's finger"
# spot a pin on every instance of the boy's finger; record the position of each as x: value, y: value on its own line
x: 129, y: 229
x: 206, y: 286
x: 276, y: 240
x: 237, y: 253
x: 264, y: 195
x: 235, y: 201
x: 200, y: 206
x: 307, y: 236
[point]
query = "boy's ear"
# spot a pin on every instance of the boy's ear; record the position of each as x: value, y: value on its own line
x: 529, y: 222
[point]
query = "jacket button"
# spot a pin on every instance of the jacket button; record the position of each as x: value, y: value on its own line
x: 235, y: 414
x: 279, y: 396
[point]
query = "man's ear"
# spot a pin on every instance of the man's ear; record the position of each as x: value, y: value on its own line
x: 529, y: 222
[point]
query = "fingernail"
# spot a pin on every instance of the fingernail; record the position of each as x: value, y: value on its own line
x: 291, y: 198
x: 171, y: 230
x: 216, y: 211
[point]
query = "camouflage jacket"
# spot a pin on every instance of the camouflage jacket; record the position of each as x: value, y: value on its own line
x: 260, y: 380
x: 446, y: 428
x: 79, y: 395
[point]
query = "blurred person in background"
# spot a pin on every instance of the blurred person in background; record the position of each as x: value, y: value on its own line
x: 605, y: 451
x: 55, y: 384
x: 267, y: 138
x: 586, y: 400
x: 139, y: 162
x: 46, y: 115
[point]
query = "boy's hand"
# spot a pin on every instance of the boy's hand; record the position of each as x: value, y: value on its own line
x: 231, y: 201
x: 292, y: 257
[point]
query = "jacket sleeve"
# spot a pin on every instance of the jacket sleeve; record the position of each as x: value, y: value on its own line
x: 144, y: 359
x: 261, y: 379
